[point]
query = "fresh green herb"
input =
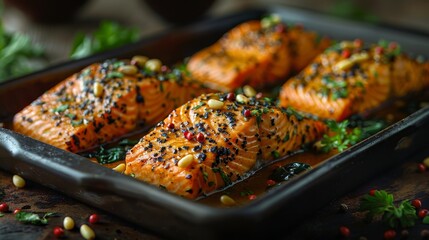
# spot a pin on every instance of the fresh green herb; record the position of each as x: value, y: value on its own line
x: 390, y: 53
x: 275, y: 154
x: 270, y: 21
x: 246, y: 192
x: 381, y: 203
x: 225, y: 177
x: 70, y: 115
x: 426, y: 220
x: 286, y: 138
x: 205, y: 176
x: 200, y: 104
x: 1, y: 215
x: 341, y: 137
x: 60, y: 108
x: 33, y: 218
x: 368, y: 127
x: 290, y: 111
x: 76, y: 123
x: 18, y: 55
x: 286, y: 172
x: 336, y: 88
x: 113, y: 154
x: 109, y: 35
x: 114, y: 75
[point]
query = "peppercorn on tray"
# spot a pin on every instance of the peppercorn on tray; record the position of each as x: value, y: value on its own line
x: 176, y: 217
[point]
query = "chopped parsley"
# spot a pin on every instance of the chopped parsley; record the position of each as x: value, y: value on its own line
x: 199, y: 105
x: 114, y: 75
x: 60, y: 108
x: 336, y: 89
x: 223, y: 175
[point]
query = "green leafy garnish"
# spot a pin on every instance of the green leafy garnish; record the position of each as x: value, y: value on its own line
x: 335, y: 88
x: 341, y: 137
x: 246, y: 192
x: 113, y: 154
x: 33, y: 218
x: 109, y: 35
x: 270, y: 21
x: 381, y: 204
x: 200, y: 104
x: 223, y: 175
x: 1, y: 215
x: 426, y: 220
x: 18, y: 55
x: 60, y: 108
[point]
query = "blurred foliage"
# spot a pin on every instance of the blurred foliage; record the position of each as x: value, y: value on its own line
x: 350, y: 9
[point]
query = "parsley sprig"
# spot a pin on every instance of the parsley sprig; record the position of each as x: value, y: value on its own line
x: 381, y: 204
x: 341, y: 138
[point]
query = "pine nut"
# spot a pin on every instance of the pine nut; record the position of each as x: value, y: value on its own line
x: 87, y: 232
x: 242, y: 99
x: 98, y: 89
x: 128, y: 69
x: 227, y: 200
x: 185, y: 161
x: 153, y: 65
x: 344, y: 64
x: 18, y: 181
x: 140, y: 61
x: 120, y: 168
x: 215, y: 104
x: 68, y: 223
x: 249, y: 91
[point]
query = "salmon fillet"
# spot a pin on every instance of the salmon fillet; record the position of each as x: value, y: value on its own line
x: 250, y: 54
x: 201, y: 147
x: 350, y: 79
x: 101, y: 103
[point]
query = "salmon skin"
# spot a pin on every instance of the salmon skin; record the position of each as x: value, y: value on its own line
x: 211, y: 142
x: 255, y: 55
x: 103, y: 102
x: 349, y: 78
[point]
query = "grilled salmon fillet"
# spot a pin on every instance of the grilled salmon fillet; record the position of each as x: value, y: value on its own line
x: 255, y: 55
x: 349, y: 78
x: 214, y: 140
x: 101, y: 103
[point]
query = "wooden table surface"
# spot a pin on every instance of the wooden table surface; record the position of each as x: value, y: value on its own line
x: 404, y: 181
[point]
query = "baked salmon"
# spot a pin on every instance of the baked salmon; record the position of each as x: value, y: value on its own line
x: 103, y: 102
x: 256, y: 55
x: 214, y: 140
x: 349, y: 78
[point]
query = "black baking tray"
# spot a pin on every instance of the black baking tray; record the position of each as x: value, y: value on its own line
x: 174, y: 217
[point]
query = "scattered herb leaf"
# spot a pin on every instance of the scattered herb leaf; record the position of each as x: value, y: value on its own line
x: 1, y: 214
x: 200, y: 104
x: 426, y: 220
x: 246, y: 192
x: 286, y: 172
x: 33, y: 218
x: 225, y: 177
x: 60, y: 108
x: 113, y: 154
x: 381, y: 203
